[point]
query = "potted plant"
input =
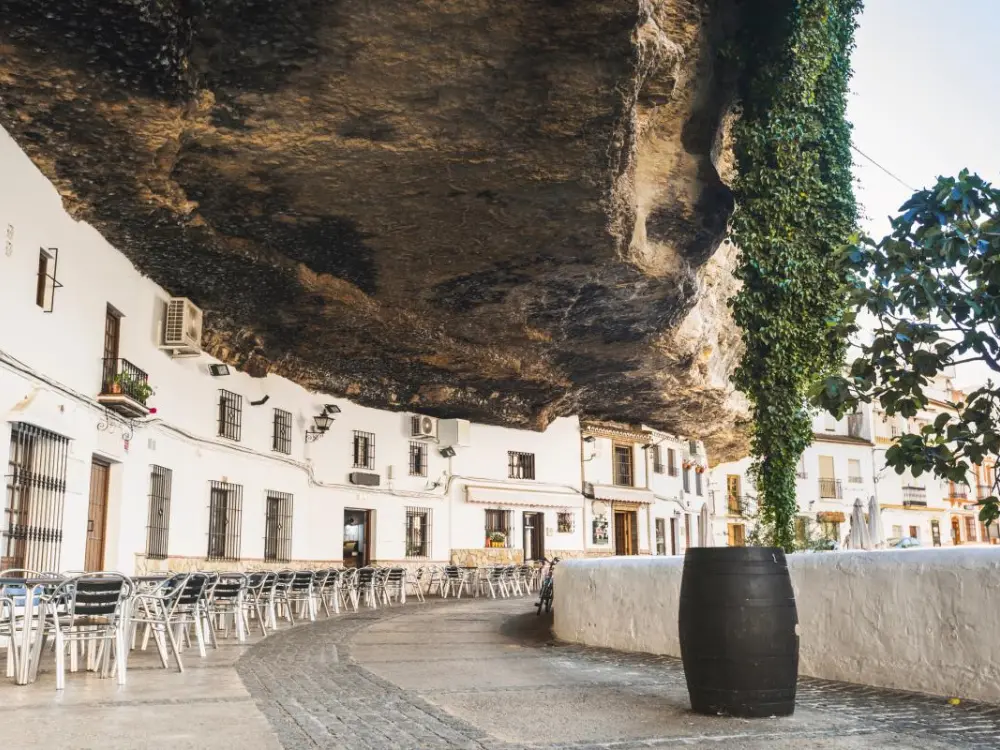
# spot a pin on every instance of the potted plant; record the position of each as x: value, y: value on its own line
x: 497, y: 539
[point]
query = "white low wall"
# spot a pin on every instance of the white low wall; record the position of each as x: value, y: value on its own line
x: 921, y: 620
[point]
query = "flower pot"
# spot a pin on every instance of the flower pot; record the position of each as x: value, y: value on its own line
x: 737, y: 631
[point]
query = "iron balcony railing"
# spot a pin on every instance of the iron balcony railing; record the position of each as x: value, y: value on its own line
x: 959, y: 494
x: 738, y: 505
x: 122, y: 377
x: 830, y: 488
x: 914, y: 496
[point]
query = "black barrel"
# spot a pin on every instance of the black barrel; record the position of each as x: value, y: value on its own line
x: 737, y: 631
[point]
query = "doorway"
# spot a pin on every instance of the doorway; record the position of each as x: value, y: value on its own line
x: 626, y: 532
x: 534, y: 536
x: 97, y: 515
x: 673, y: 537
x: 357, y: 538
x: 956, y: 531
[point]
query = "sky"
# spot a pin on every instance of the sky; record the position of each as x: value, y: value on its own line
x: 924, y: 102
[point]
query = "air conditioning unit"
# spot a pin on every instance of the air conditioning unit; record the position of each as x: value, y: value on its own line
x: 182, y: 329
x: 455, y: 433
x: 425, y: 428
x: 364, y: 479
x: 588, y: 490
x: 693, y: 447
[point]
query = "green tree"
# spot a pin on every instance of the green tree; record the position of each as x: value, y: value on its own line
x: 795, y: 209
x: 932, y: 287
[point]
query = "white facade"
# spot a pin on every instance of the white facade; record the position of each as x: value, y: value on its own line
x: 846, y: 462
x: 52, y: 373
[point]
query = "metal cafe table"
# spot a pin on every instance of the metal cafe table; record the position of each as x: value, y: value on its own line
x: 25, y: 597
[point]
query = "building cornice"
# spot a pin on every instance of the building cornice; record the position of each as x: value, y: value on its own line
x: 820, y: 437
x: 616, y: 433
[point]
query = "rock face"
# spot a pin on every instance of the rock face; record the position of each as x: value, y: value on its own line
x: 501, y: 209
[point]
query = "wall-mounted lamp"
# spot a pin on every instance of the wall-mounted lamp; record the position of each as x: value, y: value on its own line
x: 262, y: 401
x: 323, y: 420
x: 589, y: 439
x: 448, y: 452
x: 217, y: 371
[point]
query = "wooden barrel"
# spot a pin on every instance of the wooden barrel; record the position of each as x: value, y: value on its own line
x: 738, y: 631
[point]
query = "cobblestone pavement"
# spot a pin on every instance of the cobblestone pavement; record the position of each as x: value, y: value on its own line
x: 482, y: 675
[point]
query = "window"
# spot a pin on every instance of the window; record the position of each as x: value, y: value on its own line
x: 418, y: 532
x: 801, y: 530
x: 418, y: 459
x: 854, y: 471
x: 661, y: 537
x: 36, y: 489
x: 671, y: 462
x: 520, y: 465
x: 158, y: 528
x: 565, y: 522
x: 281, y: 434
x: 498, y: 527
x: 278, y: 527
x: 970, y: 529
x: 45, y: 291
x: 915, y: 532
x: 686, y: 476
x: 697, y: 483
x: 736, y: 535
x: 897, y: 532
x: 364, y: 450
x: 657, y: 459
x: 225, y: 518
x: 230, y: 415
x: 623, y: 466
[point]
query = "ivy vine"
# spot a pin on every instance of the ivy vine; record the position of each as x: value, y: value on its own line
x: 795, y: 210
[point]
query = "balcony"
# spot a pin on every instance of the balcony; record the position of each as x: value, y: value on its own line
x: 914, y: 497
x: 738, y: 505
x: 830, y: 489
x: 984, y: 491
x: 855, y: 480
x: 958, y: 495
x: 124, y: 388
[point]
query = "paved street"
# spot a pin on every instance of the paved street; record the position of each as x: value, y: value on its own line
x: 473, y: 674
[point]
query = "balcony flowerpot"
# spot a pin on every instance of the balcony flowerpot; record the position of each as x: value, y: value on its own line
x: 737, y: 629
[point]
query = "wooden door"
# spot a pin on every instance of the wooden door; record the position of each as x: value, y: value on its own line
x: 826, y: 467
x: 736, y: 535
x: 534, y: 536
x: 956, y: 532
x: 673, y: 537
x: 97, y: 516
x: 733, y: 491
x: 626, y: 533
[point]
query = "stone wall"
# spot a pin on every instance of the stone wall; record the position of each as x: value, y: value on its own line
x: 921, y: 620
x: 177, y: 564
x: 478, y: 557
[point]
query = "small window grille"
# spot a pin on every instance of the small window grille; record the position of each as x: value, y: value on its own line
x: 657, y: 459
x: 671, y: 462
x: 418, y: 459
x: 230, y: 414
x: 418, y: 532
x: 158, y: 528
x: 278, y: 527
x: 45, y: 290
x: 520, y: 465
x: 499, y: 522
x: 697, y: 483
x: 225, y: 521
x: 281, y: 437
x: 565, y: 522
x: 623, y: 466
x: 687, y: 480
x: 364, y: 450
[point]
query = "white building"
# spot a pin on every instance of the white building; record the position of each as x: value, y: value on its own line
x: 846, y: 462
x: 217, y: 469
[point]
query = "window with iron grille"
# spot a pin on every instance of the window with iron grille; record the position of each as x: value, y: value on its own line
x: 158, y: 528
x: 520, y: 465
x: 230, y: 414
x: 661, y: 536
x: 671, y: 462
x: 499, y: 522
x: 565, y: 522
x: 45, y: 290
x: 418, y: 459
x: 364, y: 450
x: 687, y: 480
x: 278, y: 526
x: 418, y: 532
x: 657, y: 459
x: 623, y: 466
x: 697, y: 483
x: 225, y: 521
x: 281, y: 435
x: 31, y: 534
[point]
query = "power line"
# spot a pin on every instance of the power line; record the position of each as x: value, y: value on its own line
x: 897, y: 179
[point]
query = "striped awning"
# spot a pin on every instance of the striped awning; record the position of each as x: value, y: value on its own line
x: 528, y: 498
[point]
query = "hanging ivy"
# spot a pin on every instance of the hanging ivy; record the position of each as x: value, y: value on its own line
x: 795, y: 210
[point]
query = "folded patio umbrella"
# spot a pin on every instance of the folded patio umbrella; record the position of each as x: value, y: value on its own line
x: 875, y: 531
x: 858, y: 538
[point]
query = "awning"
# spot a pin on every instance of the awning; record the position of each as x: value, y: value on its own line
x: 528, y: 497
x: 623, y: 494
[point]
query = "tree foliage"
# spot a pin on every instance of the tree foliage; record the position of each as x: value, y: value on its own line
x: 795, y: 209
x: 933, y: 288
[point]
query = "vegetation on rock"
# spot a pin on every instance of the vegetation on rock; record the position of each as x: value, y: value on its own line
x: 795, y: 210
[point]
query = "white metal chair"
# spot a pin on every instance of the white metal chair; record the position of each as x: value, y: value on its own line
x: 168, y: 612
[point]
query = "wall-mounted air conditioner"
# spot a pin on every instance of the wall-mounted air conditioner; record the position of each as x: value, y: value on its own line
x: 693, y: 447
x: 182, y: 328
x: 423, y: 428
x: 455, y: 433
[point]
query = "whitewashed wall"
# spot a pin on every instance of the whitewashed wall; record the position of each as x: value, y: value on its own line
x: 921, y: 620
x: 50, y: 374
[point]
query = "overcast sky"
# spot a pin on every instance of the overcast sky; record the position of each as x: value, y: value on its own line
x: 924, y: 102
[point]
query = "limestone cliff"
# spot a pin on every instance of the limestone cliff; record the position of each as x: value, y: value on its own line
x: 501, y: 209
